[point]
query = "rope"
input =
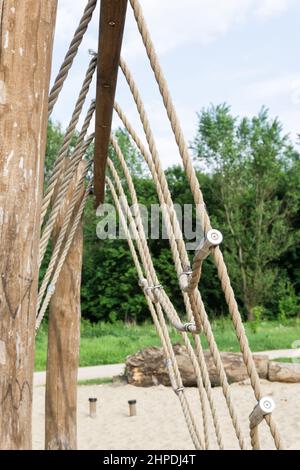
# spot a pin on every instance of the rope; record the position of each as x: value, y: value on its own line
x: 61, y: 236
x: 143, y: 252
x: 71, y: 54
x: 198, y: 306
x: 164, y: 299
x: 243, y: 341
x: 198, y: 198
x: 162, y: 331
x: 68, y: 136
x: 163, y: 87
x: 158, y: 301
x: 63, y: 256
x: 153, y: 161
x: 79, y: 152
x: 146, y: 258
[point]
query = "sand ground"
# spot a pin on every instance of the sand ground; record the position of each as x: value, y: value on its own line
x: 160, y: 424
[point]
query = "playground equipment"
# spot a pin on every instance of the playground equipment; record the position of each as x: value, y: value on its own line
x: 24, y: 210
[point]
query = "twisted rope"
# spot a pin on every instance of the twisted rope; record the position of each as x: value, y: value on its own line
x: 61, y: 236
x: 79, y: 152
x: 145, y: 255
x: 168, y: 307
x: 63, y: 256
x: 171, y: 222
x: 197, y: 306
x: 68, y: 136
x: 198, y: 198
x: 71, y: 54
x: 162, y: 331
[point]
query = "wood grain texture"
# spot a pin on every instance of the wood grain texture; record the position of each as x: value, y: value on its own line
x: 147, y: 367
x: 63, y: 339
x: 26, y: 40
x: 284, y: 372
x: 112, y: 21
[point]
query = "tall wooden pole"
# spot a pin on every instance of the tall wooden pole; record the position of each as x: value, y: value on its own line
x: 112, y: 21
x: 26, y: 39
x: 63, y: 340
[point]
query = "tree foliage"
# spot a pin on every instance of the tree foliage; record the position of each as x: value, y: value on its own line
x: 250, y: 176
x: 256, y: 183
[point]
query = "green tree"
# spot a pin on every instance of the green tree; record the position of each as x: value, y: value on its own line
x: 256, y: 196
x: 55, y: 137
x: 110, y: 289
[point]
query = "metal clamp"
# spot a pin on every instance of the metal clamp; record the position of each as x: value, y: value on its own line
x: 152, y: 289
x: 189, y: 327
x: 92, y: 53
x: 158, y: 286
x: 149, y: 290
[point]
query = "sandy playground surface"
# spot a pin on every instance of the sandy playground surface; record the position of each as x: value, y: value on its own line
x: 160, y: 423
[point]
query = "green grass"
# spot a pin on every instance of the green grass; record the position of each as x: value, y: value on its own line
x: 106, y: 343
x: 103, y: 381
x: 289, y: 360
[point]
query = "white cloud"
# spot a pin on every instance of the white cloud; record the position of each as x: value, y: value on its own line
x: 282, y: 85
x: 173, y: 23
x: 69, y: 14
x: 269, y: 8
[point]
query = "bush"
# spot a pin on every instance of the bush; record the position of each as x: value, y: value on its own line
x: 257, y: 313
x: 289, y: 304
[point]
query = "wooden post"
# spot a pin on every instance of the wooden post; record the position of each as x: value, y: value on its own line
x: 63, y: 340
x: 26, y: 40
x: 93, y: 407
x: 112, y: 21
x: 132, y: 407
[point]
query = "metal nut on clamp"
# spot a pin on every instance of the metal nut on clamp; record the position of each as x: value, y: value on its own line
x: 212, y: 238
x: 153, y: 290
x: 189, y: 327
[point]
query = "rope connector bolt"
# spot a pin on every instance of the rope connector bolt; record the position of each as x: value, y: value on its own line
x: 212, y: 239
x: 265, y: 406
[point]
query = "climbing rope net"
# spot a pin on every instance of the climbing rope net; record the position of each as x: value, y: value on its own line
x: 72, y: 164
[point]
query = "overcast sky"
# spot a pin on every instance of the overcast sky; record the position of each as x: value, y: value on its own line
x: 243, y: 52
